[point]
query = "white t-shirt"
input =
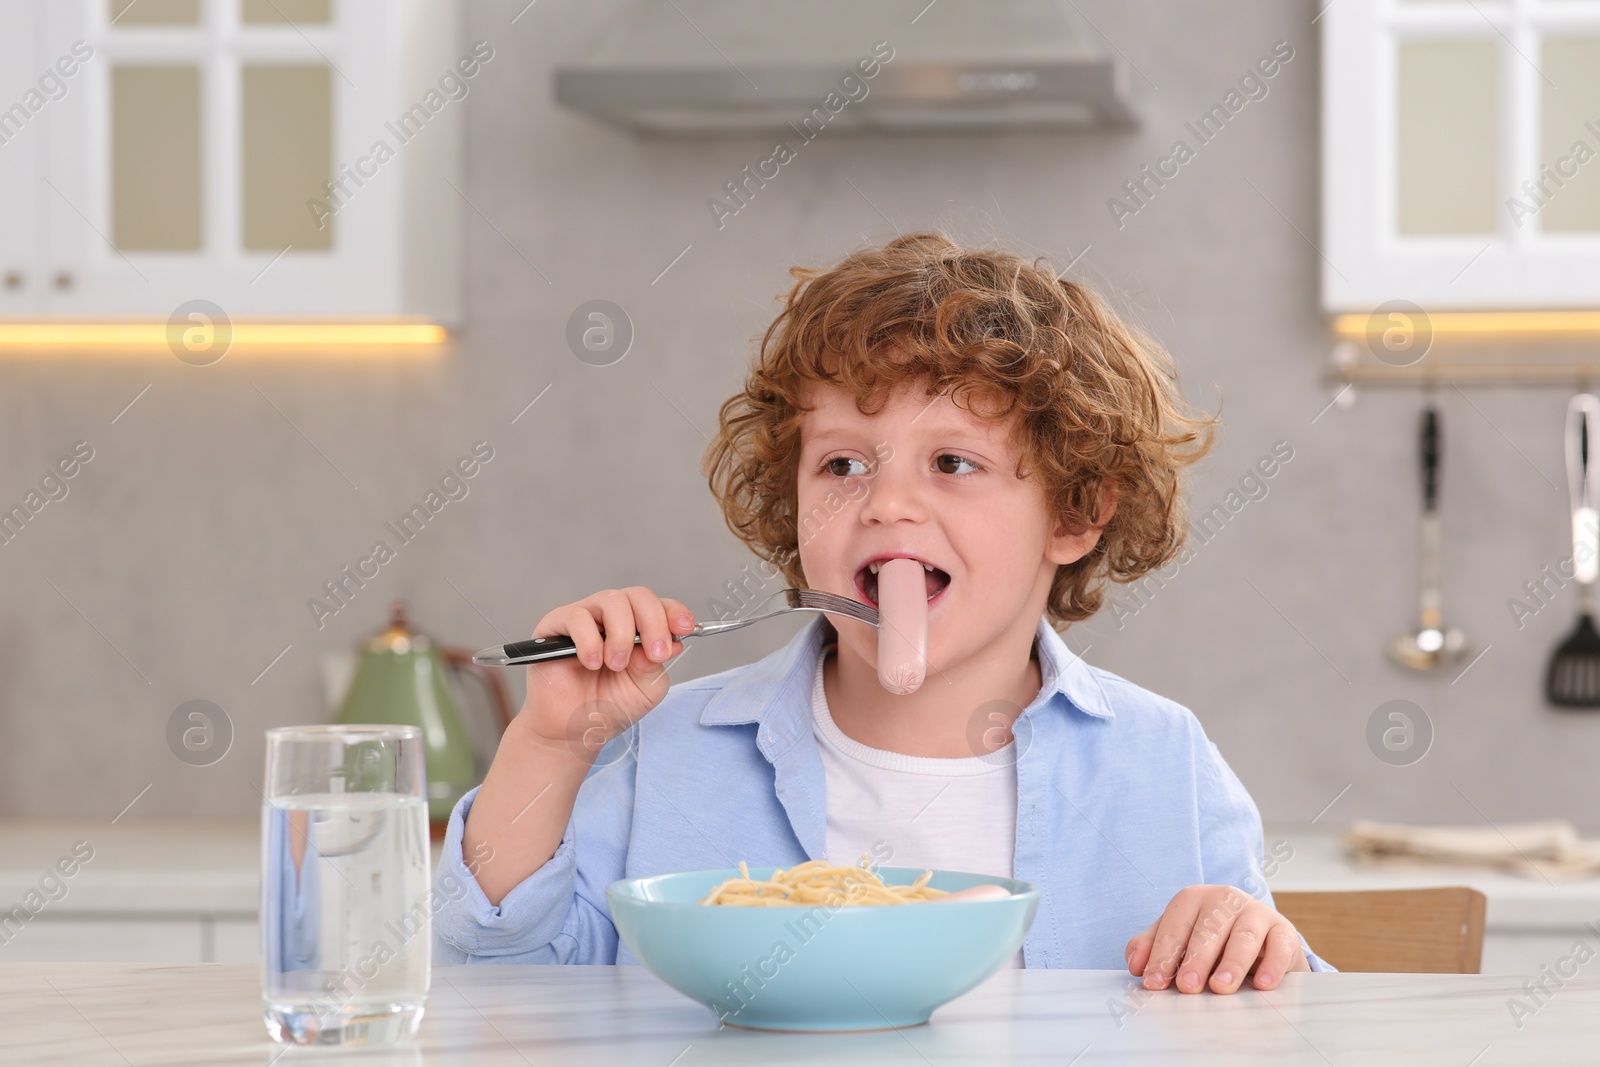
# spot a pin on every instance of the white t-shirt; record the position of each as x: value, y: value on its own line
x: 946, y: 814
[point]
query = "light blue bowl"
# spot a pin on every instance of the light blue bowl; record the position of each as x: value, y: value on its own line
x: 858, y: 967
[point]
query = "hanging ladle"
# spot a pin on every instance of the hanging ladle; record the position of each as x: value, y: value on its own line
x: 1432, y: 644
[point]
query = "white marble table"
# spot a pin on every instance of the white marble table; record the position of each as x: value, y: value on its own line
x: 130, y: 1015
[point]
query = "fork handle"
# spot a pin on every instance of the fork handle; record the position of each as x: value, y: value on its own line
x: 535, y: 650
x: 557, y: 646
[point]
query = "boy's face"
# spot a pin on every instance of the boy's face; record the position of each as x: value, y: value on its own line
x: 938, y: 483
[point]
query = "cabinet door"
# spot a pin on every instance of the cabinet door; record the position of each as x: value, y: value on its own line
x: 25, y: 113
x: 1461, y: 154
x: 235, y: 940
x: 86, y: 939
x: 194, y: 153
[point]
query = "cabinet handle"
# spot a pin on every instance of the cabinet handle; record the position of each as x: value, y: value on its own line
x: 63, y: 279
x: 13, y: 279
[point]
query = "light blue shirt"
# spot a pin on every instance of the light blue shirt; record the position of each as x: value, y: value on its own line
x: 1121, y: 802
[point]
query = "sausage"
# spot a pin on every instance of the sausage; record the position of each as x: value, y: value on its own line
x: 902, y: 626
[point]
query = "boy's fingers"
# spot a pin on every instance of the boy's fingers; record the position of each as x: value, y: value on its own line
x: 648, y: 676
x: 1138, y: 951
x: 616, y: 615
x: 1243, y: 949
x: 1171, y: 940
x: 1213, y: 929
x: 650, y: 619
x: 679, y: 618
x: 1280, y: 955
x: 578, y: 624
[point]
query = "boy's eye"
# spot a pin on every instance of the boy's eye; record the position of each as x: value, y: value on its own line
x: 952, y: 464
x: 845, y: 466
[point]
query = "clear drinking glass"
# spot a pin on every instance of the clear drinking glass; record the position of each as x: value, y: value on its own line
x: 346, y: 931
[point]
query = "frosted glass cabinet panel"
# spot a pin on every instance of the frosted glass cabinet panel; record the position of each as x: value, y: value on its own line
x: 156, y: 196
x: 279, y: 12
x: 1457, y: 146
x: 155, y: 12
x: 288, y: 144
x: 1569, y: 137
x: 1447, y: 114
x: 201, y: 150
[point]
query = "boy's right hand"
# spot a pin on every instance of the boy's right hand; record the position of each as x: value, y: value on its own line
x: 584, y: 701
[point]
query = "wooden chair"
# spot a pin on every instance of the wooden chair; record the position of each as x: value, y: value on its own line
x: 1434, y: 931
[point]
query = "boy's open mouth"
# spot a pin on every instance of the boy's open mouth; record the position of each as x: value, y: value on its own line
x: 867, y: 579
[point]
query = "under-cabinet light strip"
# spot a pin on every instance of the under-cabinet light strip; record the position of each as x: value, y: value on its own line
x: 1460, y: 323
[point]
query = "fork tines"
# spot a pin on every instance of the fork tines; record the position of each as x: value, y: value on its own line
x: 836, y: 605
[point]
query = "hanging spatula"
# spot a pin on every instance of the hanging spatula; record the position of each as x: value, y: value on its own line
x: 1573, y: 680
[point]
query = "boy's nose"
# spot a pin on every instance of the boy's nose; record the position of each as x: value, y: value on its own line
x: 894, y: 496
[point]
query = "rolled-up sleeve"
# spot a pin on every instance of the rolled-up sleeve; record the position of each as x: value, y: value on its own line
x: 1231, y: 838
x: 558, y: 913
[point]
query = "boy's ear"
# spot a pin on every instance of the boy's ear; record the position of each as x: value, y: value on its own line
x: 1068, y: 545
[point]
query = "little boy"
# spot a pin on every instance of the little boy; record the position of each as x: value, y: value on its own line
x: 968, y: 410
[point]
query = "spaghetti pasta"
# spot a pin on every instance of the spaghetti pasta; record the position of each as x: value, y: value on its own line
x: 819, y: 882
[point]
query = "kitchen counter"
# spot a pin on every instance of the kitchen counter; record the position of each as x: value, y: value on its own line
x: 1528, y: 921
x: 1514, y: 900
x: 186, y: 891
x: 123, y: 1015
x: 148, y: 890
x: 138, y: 866
x: 153, y: 890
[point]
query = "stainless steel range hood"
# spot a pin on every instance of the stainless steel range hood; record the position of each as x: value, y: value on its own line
x: 710, y: 67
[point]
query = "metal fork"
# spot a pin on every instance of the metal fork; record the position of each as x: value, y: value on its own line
x: 539, y: 649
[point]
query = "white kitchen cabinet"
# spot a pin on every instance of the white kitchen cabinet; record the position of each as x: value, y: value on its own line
x: 20, y: 233
x: 124, y: 940
x: 233, y: 941
x: 188, y: 154
x: 146, y: 891
x: 1461, y: 154
x: 1514, y: 951
x: 135, y: 939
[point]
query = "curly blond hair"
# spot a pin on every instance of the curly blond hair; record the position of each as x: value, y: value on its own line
x: 1096, y: 400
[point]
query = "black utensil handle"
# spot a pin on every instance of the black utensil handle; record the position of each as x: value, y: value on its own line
x: 538, y: 649
x: 1430, y: 459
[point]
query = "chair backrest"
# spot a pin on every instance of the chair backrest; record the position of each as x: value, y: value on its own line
x: 1437, y: 931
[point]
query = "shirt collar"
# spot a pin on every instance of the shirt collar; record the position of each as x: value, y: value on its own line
x: 1065, y: 672
x: 775, y: 691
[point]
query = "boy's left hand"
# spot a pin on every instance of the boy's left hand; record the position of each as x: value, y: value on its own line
x: 1220, y: 933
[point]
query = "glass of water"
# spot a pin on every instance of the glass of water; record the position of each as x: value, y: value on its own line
x: 346, y: 930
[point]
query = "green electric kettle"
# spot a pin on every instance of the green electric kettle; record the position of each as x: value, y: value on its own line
x: 401, y: 678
